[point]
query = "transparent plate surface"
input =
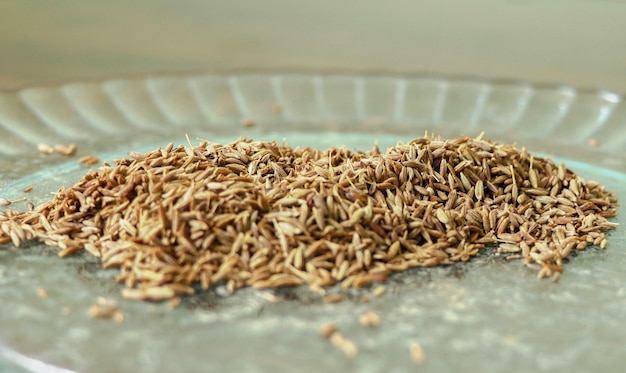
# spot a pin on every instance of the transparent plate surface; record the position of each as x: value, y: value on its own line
x: 489, y: 315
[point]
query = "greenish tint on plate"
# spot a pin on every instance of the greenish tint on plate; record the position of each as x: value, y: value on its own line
x: 488, y: 315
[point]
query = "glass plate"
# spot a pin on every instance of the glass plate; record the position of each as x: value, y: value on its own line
x: 490, y: 315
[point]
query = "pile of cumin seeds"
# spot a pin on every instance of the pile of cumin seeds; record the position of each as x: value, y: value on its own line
x: 266, y: 215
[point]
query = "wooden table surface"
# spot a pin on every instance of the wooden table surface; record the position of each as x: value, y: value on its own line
x: 578, y: 42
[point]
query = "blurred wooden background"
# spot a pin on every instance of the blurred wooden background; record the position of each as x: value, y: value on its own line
x: 579, y: 42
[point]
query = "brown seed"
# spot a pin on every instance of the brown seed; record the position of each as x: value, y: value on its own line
x: 379, y: 291
x: 174, y: 302
x: 42, y: 293
x: 89, y: 160
x: 479, y: 190
x: 22, y: 199
x: 603, y: 243
x: 417, y: 354
x: 593, y: 142
x: 277, y: 108
x: 334, y: 298
x: 347, y: 346
x: 154, y: 293
x: 317, y: 289
x: 443, y: 216
x: 248, y: 123
x: 328, y: 329
x: 369, y: 318
x: 67, y: 150
x: 270, y: 297
x: 106, y: 309
x: 28, y: 189
x: 118, y: 317
x: 509, y: 248
x: 4, y: 202
x: 45, y: 149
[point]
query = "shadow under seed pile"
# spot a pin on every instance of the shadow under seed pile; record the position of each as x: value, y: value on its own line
x: 267, y: 215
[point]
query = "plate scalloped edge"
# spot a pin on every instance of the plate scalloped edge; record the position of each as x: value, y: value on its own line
x: 343, y: 102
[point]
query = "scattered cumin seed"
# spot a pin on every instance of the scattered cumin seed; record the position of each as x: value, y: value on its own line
x: 89, y: 160
x: 369, y: 318
x: 417, y: 354
x: 4, y: 202
x: 174, y: 302
x: 45, y: 149
x: 277, y: 108
x: 328, y: 329
x: 118, y: 317
x: 593, y: 142
x: 379, y: 291
x: 334, y: 298
x: 249, y: 123
x: 28, y: 189
x: 344, y: 344
x: 42, y: 293
x: 68, y: 150
x: 106, y: 309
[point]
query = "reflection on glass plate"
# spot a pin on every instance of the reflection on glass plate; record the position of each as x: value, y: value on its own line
x: 491, y: 315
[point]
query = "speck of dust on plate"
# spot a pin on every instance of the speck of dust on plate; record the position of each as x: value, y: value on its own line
x: 266, y: 215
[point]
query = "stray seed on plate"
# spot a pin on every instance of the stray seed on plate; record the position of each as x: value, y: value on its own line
x: 248, y: 123
x: 4, y: 202
x: 379, y: 291
x: 346, y: 345
x: 369, y: 318
x: 334, y: 298
x: 106, y: 309
x: 417, y: 354
x: 28, y: 189
x: 328, y: 329
x: 89, y: 160
x: 46, y: 149
x: 68, y: 150
x: 118, y: 317
x: 42, y: 293
x: 593, y: 142
x: 174, y: 302
x: 277, y: 108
